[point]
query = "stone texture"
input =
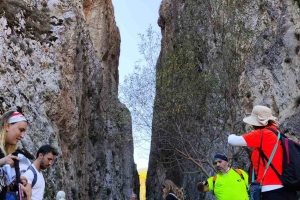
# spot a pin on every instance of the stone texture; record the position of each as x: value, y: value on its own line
x: 59, y: 66
x: 251, y: 51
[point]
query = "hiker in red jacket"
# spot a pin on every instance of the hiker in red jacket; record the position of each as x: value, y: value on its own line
x: 263, y: 139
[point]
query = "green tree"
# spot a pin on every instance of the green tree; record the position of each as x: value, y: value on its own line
x: 137, y: 91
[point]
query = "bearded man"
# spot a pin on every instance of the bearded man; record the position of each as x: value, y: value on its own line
x: 36, y: 183
x: 228, y: 184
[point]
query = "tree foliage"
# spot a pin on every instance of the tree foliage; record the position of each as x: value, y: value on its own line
x: 138, y: 89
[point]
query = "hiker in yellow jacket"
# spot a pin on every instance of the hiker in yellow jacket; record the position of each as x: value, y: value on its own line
x: 228, y: 184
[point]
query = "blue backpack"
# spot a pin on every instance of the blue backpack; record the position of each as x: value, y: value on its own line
x: 34, y: 175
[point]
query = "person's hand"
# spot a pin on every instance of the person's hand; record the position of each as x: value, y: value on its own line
x: 202, y: 186
x: 9, y: 159
x: 27, y: 190
x: 24, y: 180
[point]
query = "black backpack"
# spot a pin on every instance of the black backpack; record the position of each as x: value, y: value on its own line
x: 290, y: 176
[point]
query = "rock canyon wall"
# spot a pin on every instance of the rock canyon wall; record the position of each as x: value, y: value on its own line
x: 219, y: 59
x: 59, y: 67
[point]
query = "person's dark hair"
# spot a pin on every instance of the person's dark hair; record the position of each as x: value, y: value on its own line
x: 46, y: 149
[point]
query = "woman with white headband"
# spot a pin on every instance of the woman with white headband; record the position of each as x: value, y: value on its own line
x: 263, y: 139
x: 13, y: 126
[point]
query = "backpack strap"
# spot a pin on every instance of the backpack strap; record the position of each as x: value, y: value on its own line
x: 214, y: 181
x: 239, y: 171
x: 251, y: 168
x: 264, y: 155
x: 34, y: 175
x: 276, y: 132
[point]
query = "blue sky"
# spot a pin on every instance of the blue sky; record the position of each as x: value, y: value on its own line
x: 134, y: 17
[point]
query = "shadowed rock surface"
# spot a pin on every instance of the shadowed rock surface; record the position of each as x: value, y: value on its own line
x: 218, y: 60
x: 59, y: 67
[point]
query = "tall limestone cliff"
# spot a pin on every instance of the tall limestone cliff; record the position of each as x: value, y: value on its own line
x: 218, y: 59
x: 59, y: 67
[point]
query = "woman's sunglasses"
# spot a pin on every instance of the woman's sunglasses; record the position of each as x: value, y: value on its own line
x: 163, y: 186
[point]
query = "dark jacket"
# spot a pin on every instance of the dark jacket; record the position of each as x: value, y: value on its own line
x: 171, y: 196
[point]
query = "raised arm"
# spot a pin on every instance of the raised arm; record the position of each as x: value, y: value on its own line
x: 236, y: 140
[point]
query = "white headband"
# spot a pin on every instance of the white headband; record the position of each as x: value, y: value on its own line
x: 16, y: 117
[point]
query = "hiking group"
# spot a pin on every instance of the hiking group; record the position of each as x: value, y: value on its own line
x: 273, y: 173
x: 31, y: 184
x: 273, y: 170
